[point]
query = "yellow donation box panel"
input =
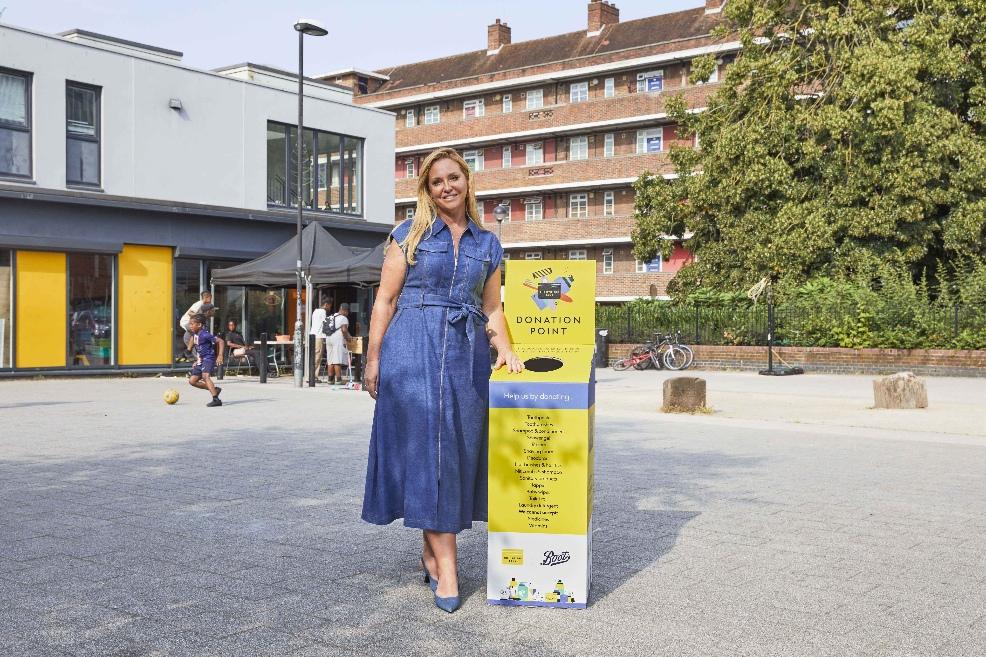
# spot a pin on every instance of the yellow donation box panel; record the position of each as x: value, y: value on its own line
x: 541, y: 431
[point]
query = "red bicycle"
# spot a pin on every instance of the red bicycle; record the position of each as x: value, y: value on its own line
x: 665, y: 351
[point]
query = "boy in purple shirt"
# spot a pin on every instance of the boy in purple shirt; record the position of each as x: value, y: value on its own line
x: 206, y: 357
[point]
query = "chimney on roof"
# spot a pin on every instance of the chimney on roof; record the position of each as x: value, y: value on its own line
x: 714, y: 6
x: 601, y: 14
x: 497, y: 36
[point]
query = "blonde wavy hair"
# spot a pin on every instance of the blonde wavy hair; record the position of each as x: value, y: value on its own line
x: 426, y: 213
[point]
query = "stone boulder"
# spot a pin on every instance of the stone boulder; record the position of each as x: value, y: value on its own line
x: 900, y: 390
x: 683, y: 394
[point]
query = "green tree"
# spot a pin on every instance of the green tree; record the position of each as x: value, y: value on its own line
x: 847, y: 134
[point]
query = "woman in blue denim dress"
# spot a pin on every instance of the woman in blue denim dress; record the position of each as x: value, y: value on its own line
x: 436, y: 313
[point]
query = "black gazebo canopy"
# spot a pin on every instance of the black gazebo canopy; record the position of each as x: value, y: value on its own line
x: 324, y: 260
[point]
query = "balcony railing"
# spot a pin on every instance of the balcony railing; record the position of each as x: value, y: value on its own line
x: 454, y: 127
x: 553, y: 174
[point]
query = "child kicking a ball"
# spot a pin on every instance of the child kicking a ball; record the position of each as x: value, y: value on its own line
x: 206, y: 359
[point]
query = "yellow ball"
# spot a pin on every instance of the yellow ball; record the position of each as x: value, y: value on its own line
x: 171, y: 395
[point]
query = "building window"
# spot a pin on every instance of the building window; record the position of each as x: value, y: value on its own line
x: 532, y: 255
x: 328, y: 182
x: 408, y: 168
x: 409, y: 119
x: 609, y: 88
x: 255, y: 310
x: 6, y: 307
x: 474, y: 159
x: 654, y: 266
x: 609, y: 147
x: 650, y: 81
x: 82, y: 134
x: 362, y: 85
x: 578, y: 92
x: 535, y: 153
x: 188, y: 284
x: 535, y: 99
x: 650, y: 141
x: 432, y: 115
x: 533, y: 209
x: 609, y: 204
x: 352, y: 178
x: 713, y: 77
x: 578, y: 148
x: 332, y: 170
x: 15, y: 124
x: 480, y: 211
x: 409, y: 212
x: 576, y: 254
x: 607, y: 261
x: 507, y: 157
x: 277, y: 164
x: 578, y: 206
x: 508, y: 104
x: 473, y: 108
x: 90, y: 307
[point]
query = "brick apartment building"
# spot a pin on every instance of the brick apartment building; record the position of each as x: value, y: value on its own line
x: 558, y: 128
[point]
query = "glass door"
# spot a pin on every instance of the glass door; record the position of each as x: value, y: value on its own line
x: 91, y: 313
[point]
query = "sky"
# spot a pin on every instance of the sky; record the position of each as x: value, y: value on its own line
x: 368, y: 34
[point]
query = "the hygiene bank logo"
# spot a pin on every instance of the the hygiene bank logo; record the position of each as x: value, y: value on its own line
x: 550, y: 289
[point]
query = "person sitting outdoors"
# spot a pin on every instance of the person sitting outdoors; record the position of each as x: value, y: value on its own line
x: 238, y: 346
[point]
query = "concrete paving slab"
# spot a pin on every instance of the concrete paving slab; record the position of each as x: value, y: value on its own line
x: 793, y: 520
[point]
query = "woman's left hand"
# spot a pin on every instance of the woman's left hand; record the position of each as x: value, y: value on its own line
x: 511, y: 360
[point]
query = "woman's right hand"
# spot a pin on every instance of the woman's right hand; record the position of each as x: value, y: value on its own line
x: 371, y: 377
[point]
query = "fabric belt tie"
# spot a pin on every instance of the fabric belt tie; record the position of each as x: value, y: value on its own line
x: 458, y: 311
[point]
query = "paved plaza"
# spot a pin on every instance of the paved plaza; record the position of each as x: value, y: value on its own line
x: 793, y: 520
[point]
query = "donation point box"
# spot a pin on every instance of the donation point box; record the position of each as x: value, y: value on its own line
x: 541, y: 431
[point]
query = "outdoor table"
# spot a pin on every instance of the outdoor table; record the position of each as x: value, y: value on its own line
x: 283, y: 344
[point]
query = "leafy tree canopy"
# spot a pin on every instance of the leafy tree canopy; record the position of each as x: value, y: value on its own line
x: 847, y: 134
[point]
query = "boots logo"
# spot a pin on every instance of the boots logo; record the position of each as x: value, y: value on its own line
x: 552, y: 559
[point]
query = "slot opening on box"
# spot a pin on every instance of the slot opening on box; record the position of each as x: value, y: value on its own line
x: 543, y: 364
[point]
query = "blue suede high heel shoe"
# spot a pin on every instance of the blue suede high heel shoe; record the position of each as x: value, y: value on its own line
x: 429, y: 580
x: 447, y: 604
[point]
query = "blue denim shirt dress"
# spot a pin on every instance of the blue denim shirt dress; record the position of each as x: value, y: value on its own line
x: 427, y: 461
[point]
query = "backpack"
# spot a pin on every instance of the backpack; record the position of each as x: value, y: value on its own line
x: 329, y: 325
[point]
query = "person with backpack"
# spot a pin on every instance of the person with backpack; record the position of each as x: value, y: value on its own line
x: 317, y: 331
x: 337, y: 332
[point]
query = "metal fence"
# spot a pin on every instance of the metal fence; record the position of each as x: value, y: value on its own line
x: 794, y: 326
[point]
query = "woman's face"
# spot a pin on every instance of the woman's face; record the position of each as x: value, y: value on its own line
x: 447, y: 186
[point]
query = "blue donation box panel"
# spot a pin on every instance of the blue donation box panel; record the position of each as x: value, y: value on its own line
x: 541, y: 434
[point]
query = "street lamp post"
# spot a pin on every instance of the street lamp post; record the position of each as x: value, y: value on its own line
x: 500, y: 212
x: 311, y: 28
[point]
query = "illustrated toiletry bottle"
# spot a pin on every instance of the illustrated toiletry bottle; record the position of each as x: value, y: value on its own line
x: 522, y: 591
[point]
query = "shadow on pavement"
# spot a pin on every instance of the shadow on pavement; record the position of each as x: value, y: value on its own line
x: 41, y: 403
x: 260, y: 528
